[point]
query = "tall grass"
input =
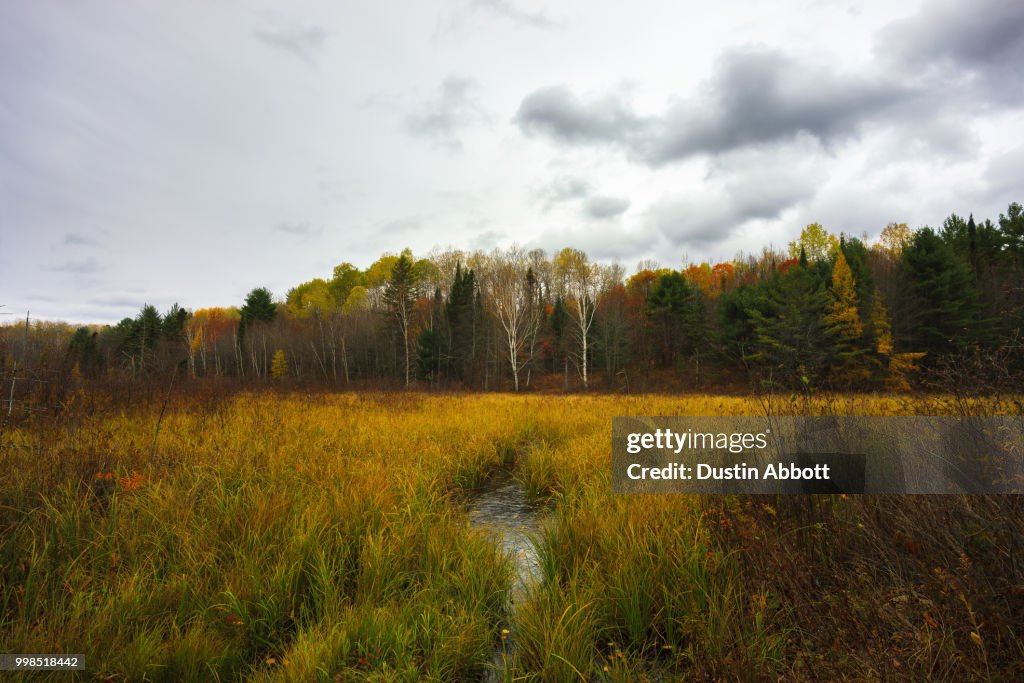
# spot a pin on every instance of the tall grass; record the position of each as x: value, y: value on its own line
x: 324, y: 538
x: 303, y: 538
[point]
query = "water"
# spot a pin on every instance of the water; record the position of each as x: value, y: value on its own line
x: 503, y: 510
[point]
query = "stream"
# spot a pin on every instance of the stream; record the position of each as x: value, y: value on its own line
x: 503, y: 510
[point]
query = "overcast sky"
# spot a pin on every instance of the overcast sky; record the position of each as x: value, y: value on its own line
x: 189, y: 151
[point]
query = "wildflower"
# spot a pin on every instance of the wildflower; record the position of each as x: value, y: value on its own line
x: 131, y: 482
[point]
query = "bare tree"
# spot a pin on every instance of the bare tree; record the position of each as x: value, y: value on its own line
x: 578, y: 283
x: 510, y: 286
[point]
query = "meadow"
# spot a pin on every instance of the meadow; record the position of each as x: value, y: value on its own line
x: 324, y: 537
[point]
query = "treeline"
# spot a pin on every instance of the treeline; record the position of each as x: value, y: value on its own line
x: 832, y: 311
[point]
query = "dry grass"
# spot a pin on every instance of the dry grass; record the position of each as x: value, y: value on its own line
x: 322, y: 538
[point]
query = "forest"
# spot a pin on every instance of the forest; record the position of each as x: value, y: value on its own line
x: 830, y: 311
x: 251, y: 494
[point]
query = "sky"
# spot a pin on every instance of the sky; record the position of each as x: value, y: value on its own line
x: 189, y: 151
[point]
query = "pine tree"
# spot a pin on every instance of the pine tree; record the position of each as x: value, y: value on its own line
x: 400, y: 299
x: 788, y: 320
x: 677, y: 310
x: 258, y: 307
x: 459, y: 313
x: 428, y: 355
x: 941, y: 299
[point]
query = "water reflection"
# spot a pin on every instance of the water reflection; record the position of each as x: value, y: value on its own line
x: 503, y: 510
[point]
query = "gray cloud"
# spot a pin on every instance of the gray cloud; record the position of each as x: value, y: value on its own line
x: 616, y: 242
x: 486, y: 240
x: 236, y: 133
x: 559, y: 114
x: 75, y: 239
x: 982, y: 41
x: 304, y: 43
x: 603, y: 208
x: 741, y: 187
x: 758, y: 96
x: 298, y: 228
x: 401, y: 225
x: 506, y: 9
x: 1004, y: 173
x: 453, y: 108
x: 562, y: 189
x: 125, y: 300
x: 87, y: 266
x: 754, y: 96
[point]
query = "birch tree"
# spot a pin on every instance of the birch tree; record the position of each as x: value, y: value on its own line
x: 578, y: 283
x: 511, y: 288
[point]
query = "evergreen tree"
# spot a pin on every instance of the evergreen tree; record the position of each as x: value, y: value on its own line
x: 258, y: 307
x: 942, y: 303
x: 559, y: 336
x: 83, y: 352
x: 174, y: 322
x: 788, y: 320
x: 400, y: 299
x: 460, y: 316
x: 428, y: 355
x: 736, y: 332
x: 1011, y: 224
x: 145, y: 334
x: 677, y: 311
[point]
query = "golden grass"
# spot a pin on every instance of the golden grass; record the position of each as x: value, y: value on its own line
x: 300, y: 538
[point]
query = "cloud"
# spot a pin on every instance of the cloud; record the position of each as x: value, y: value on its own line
x: 487, y: 239
x: 455, y: 107
x: 87, y: 266
x: 562, y: 189
x: 400, y: 226
x: 741, y: 187
x: 75, y: 239
x: 304, y: 43
x: 1004, y: 173
x: 506, y: 9
x: 130, y: 300
x: 616, y: 242
x: 557, y: 113
x: 298, y: 228
x: 757, y: 96
x: 754, y: 96
x: 604, y: 208
x: 980, y: 41
x: 760, y: 96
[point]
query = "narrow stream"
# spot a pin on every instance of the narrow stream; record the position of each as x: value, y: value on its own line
x: 503, y: 510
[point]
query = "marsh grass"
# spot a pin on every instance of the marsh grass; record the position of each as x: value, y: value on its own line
x: 305, y: 538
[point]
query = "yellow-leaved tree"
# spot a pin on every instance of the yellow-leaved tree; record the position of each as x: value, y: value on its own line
x: 817, y: 242
x: 843, y: 325
x: 279, y: 365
